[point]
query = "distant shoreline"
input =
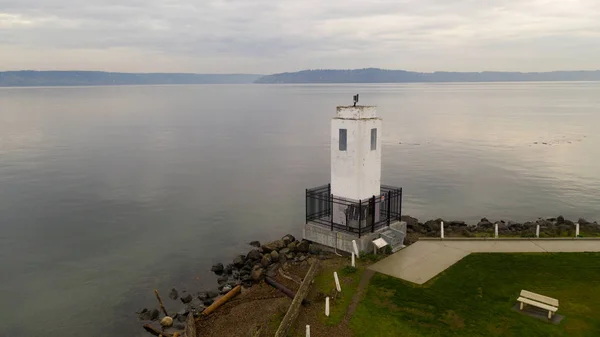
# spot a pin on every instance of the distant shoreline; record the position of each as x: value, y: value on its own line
x: 30, y: 78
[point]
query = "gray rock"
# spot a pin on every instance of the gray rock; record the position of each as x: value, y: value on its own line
x: 221, y: 280
x: 238, y: 261
x: 485, y: 223
x: 512, y: 224
x: 272, y: 271
x: 208, y: 301
x: 257, y: 273
x: 410, y: 221
x: 202, y: 295
x: 292, y: 246
x: 288, y: 239
x: 186, y: 298
x: 583, y: 221
x: 180, y: 326
x: 173, y: 294
x: 289, y: 256
x: 275, y: 245
x: 145, y: 315
x: 456, y: 224
x: 228, y: 269
x: 314, y: 249
x: 166, y: 321
x: 284, y: 251
x: 542, y: 222
x: 247, y: 279
x: 227, y: 288
x: 154, y: 314
x: 183, y: 312
x: 274, y: 256
x: 302, y: 258
x: 217, y: 268
x: 282, y: 258
x: 266, y: 260
x: 303, y: 246
x: 254, y: 255
x: 212, y: 294
x: 255, y: 244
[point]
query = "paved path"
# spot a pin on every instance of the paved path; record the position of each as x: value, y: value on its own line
x: 421, y: 261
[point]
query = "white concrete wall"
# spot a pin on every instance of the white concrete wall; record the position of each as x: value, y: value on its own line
x: 338, y: 240
x: 356, y: 172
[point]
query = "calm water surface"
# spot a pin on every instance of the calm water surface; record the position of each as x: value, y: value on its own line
x: 107, y: 193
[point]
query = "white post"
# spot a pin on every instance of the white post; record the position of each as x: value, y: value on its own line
x: 442, y: 229
x: 337, y: 282
x: 577, y: 230
x: 327, y: 306
x: 353, y: 261
x: 496, y: 230
x: 307, y: 330
x: 537, y: 231
x: 355, y: 249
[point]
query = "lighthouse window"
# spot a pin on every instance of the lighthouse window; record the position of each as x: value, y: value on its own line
x: 373, y: 139
x: 343, y: 139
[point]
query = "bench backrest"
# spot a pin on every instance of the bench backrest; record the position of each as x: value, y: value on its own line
x: 540, y: 298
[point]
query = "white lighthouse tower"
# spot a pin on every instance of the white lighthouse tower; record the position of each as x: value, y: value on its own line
x: 355, y: 152
x: 355, y: 208
x: 355, y: 161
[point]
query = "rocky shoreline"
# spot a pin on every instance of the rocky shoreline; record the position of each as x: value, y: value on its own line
x: 245, y: 270
x: 549, y: 227
x: 266, y: 260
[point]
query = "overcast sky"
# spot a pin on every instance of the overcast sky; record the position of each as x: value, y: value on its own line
x: 268, y: 36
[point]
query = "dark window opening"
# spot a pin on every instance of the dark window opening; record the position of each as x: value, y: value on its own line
x: 343, y: 139
x: 373, y: 139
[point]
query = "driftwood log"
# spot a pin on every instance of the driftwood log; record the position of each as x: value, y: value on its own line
x: 290, y: 277
x: 157, y: 332
x: 283, y: 289
x: 222, y: 300
x: 294, y: 310
x: 190, y: 326
x: 162, y: 306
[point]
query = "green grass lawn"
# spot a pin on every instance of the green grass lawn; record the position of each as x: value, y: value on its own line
x: 474, y: 298
x: 324, y: 283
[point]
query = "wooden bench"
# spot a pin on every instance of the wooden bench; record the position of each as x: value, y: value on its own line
x: 540, y: 301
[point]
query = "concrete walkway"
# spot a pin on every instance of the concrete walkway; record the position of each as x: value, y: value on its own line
x: 421, y: 261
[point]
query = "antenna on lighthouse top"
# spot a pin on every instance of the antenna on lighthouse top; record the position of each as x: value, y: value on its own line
x: 355, y: 99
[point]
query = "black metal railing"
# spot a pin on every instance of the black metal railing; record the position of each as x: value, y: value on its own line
x: 352, y: 216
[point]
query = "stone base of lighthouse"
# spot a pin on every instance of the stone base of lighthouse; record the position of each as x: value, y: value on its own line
x: 341, y: 241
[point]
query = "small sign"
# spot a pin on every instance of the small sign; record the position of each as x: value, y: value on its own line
x: 379, y: 243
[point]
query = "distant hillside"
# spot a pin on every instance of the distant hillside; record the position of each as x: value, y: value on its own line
x: 75, y: 78
x: 374, y: 75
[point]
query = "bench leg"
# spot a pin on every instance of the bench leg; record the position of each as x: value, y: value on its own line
x: 521, y: 306
x: 549, y: 314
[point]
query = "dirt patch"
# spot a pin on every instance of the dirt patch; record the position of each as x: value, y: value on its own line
x: 258, y: 311
x: 243, y: 315
x: 360, y: 293
x: 255, y: 312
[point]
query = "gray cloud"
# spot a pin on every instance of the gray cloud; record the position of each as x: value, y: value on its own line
x: 283, y: 35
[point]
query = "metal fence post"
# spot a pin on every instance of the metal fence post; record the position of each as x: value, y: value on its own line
x: 372, y: 208
x: 389, y: 215
x: 400, y: 206
x: 331, y: 210
x: 306, y: 204
x: 359, y: 216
